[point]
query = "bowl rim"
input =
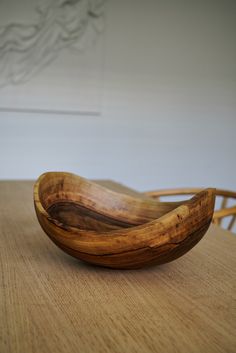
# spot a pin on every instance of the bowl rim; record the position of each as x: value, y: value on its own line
x: 39, y: 206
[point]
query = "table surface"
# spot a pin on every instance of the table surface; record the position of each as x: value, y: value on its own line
x: 51, y: 302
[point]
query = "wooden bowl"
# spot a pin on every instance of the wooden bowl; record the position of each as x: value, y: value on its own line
x: 112, y: 229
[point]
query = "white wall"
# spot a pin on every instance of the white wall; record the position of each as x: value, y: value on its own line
x: 169, y: 104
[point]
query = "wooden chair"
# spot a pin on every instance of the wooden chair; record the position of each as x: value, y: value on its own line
x: 223, y: 209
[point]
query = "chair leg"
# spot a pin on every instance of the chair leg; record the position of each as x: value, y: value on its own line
x: 231, y: 223
x: 223, y: 205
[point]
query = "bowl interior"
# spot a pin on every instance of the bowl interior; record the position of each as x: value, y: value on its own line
x: 77, y: 202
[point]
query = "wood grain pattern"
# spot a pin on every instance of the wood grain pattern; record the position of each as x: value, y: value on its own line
x: 219, y: 214
x: 50, y: 302
x: 117, y: 230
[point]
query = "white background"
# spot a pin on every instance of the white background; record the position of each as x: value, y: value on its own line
x: 168, y: 104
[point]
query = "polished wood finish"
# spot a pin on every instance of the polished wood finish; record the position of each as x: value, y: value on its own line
x: 224, y: 210
x: 107, y: 228
x: 50, y: 302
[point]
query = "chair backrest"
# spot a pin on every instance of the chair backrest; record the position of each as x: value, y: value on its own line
x: 225, y: 203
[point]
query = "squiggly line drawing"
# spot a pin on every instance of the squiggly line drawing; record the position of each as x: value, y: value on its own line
x: 25, y: 49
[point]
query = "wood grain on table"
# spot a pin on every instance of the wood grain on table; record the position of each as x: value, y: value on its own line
x: 50, y: 302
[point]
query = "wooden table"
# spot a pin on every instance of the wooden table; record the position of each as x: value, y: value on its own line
x: 50, y: 302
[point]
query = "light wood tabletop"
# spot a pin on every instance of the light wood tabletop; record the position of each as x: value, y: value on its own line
x: 51, y: 302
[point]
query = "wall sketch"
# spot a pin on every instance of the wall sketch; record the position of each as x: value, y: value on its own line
x: 60, y: 48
